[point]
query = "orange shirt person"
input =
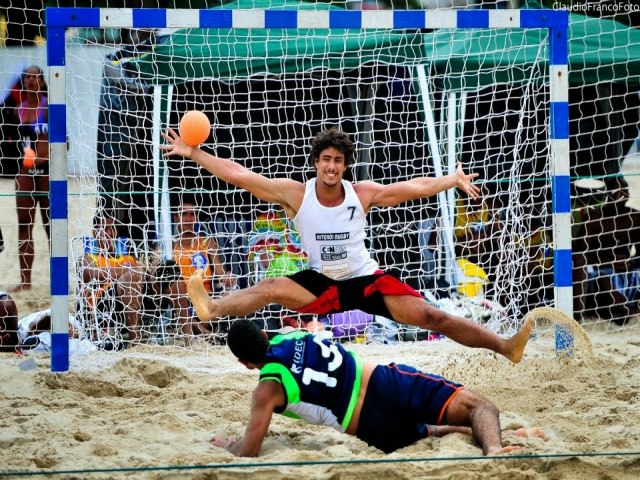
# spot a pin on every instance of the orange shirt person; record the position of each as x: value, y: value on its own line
x: 192, y: 252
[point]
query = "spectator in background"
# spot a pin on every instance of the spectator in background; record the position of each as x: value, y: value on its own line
x: 588, y: 197
x: 32, y: 182
x: 34, y: 334
x: 193, y: 250
x: 471, y: 229
x: 117, y: 282
x: 8, y: 323
x: 612, y: 236
x: 480, y: 229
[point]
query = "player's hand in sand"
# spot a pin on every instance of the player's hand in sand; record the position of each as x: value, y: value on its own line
x: 522, y: 432
x: 222, y: 442
x: 204, y: 305
x: 176, y: 145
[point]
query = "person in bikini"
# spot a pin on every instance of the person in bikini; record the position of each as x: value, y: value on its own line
x: 330, y: 215
x: 32, y: 181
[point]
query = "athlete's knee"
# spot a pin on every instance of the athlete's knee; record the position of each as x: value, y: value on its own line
x: 466, y: 405
x: 486, y: 405
x: 275, y: 289
x: 477, y: 403
x: 427, y: 316
x: 25, y: 225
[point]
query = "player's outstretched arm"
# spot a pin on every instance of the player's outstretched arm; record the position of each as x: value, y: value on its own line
x: 282, y: 191
x: 375, y: 194
x: 266, y: 397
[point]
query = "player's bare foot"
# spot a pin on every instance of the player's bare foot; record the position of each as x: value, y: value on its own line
x: 534, y: 432
x: 200, y: 298
x: 516, y: 344
x: 503, y: 450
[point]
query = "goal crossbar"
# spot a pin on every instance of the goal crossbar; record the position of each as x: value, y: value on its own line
x: 58, y: 19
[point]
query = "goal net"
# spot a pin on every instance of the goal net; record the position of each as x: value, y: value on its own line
x: 416, y: 97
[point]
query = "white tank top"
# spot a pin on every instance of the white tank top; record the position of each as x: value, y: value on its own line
x: 333, y: 237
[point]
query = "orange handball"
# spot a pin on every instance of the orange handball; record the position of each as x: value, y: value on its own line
x: 28, y: 161
x: 194, y: 128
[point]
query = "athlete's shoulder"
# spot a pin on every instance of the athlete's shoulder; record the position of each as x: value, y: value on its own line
x: 366, y: 186
x: 366, y: 191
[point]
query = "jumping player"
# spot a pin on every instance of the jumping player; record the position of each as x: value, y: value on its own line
x: 330, y: 216
x: 387, y: 406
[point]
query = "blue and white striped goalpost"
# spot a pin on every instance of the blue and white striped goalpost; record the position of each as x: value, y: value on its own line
x: 58, y: 19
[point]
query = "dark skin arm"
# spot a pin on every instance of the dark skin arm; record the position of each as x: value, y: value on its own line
x: 267, y: 396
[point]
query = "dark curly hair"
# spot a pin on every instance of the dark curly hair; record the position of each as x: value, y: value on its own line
x: 247, y: 342
x: 333, y: 138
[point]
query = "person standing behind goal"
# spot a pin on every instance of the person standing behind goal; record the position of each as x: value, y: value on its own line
x: 330, y: 216
x: 32, y: 182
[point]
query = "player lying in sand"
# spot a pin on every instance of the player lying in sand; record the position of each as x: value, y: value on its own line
x: 387, y: 406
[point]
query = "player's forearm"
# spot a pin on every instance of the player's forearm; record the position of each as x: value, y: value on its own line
x: 428, y: 186
x: 222, y: 168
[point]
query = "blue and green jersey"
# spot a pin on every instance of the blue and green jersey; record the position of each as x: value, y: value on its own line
x: 321, y: 379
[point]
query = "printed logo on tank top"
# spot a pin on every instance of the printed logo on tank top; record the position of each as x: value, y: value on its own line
x: 330, y: 253
x: 298, y: 357
x: 334, y: 253
x: 332, y: 237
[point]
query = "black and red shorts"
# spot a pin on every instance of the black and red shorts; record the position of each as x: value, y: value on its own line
x: 364, y: 293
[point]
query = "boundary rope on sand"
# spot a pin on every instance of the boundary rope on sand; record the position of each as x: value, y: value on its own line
x: 214, y: 466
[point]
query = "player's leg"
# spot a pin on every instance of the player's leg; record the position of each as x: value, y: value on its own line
x: 177, y: 293
x: 442, y: 430
x: 483, y: 417
x: 129, y: 291
x: 43, y: 200
x: 282, y: 291
x: 26, y: 208
x: 416, y: 311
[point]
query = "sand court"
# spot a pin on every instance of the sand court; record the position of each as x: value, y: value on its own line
x: 141, y: 411
x: 150, y: 416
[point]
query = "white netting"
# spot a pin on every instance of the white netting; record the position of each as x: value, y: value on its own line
x: 372, y: 90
